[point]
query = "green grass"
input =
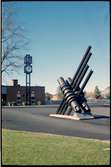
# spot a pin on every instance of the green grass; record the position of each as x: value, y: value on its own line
x: 26, y: 148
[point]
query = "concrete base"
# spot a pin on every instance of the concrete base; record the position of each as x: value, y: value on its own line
x: 76, y: 116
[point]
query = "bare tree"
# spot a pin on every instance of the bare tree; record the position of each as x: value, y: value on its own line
x: 13, y: 41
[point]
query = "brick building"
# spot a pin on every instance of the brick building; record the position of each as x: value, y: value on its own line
x: 16, y: 94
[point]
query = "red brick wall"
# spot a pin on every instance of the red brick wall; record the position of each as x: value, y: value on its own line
x: 12, y: 93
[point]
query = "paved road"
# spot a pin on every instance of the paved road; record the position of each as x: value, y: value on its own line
x: 36, y: 119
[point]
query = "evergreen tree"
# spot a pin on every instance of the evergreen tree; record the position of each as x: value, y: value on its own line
x: 97, y: 92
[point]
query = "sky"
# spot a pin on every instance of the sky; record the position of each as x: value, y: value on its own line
x: 59, y: 34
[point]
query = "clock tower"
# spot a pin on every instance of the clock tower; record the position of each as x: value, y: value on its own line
x: 28, y: 71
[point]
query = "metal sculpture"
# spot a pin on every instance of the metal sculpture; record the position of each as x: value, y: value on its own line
x: 74, y: 100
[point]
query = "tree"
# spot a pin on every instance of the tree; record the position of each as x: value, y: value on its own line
x: 13, y: 41
x: 97, y: 92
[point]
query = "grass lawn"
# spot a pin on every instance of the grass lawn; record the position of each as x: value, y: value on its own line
x: 26, y: 148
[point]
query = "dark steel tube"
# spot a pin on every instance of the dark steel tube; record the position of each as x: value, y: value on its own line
x: 81, y: 69
x: 82, y: 100
x: 81, y: 78
x: 82, y: 61
x: 85, y: 82
x: 68, y: 94
x: 69, y: 80
x: 65, y: 104
x: 60, y: 106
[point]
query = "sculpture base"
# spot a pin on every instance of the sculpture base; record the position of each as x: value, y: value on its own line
x: 76, y: 116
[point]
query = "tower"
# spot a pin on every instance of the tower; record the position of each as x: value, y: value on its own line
x: 28, y: 71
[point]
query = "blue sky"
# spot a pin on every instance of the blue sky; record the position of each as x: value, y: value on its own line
x: 59, y: 34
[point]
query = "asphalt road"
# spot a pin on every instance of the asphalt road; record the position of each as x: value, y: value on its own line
x: 37, y: 119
